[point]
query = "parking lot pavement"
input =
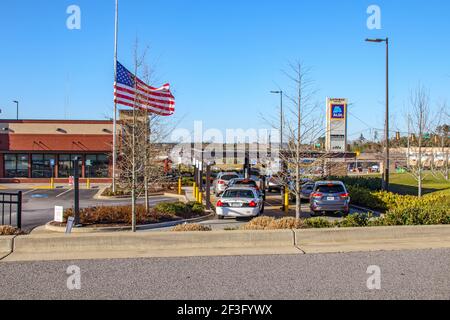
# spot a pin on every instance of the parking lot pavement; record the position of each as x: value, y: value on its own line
x: 38, y: 204
x: 404, y: 275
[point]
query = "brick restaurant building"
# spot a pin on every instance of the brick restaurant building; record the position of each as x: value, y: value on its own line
x: 28, y: 148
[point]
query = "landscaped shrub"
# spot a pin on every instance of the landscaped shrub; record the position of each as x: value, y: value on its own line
x: 196, y: 208
x: 191, y: 227
x: 318, y: 222
x: 366, y: 198
x: 415, y: 215
x: 385, y: 201
x: 9, y: 231
x: 187, y: 181
x: 122, y: 214
x: 354, y: 220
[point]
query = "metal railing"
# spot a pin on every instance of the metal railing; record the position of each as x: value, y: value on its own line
x: 8, y: 201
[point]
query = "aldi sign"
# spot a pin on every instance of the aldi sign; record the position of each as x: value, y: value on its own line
x: 338, y: 111
x: 336, y: 135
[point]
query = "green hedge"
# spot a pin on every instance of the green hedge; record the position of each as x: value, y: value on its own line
x: 371, y: 183
x: 180, y: 209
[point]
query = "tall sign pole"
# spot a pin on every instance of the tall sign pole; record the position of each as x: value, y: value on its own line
x: 116, y: 33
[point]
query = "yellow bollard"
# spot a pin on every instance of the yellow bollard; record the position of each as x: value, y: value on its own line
x: 88, y: 183
x: 179, y: 185
x: 286, y: 200
x: 200, y: 197
x: 194, y: 192
x: 52, y: 183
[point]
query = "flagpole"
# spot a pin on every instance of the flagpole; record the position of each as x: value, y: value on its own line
x: 116, y: 33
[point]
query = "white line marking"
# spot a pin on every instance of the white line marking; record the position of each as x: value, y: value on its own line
x: 29, y: 191
x: 63, y: 193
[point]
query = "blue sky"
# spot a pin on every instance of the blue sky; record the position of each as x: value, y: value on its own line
x: 222, y: 57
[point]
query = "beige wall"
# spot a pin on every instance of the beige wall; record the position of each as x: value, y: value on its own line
x: 51, y: 128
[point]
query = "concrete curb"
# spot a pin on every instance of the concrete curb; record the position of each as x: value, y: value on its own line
x: 126, y: 241
x: 219, y: 243
x: 168, y: 224
x: 6, y: 245
x: 372, y: 238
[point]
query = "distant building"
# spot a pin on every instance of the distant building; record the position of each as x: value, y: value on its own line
x: 36, y: 150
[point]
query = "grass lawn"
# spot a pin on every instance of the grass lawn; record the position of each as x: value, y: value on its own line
x: 404, y: 183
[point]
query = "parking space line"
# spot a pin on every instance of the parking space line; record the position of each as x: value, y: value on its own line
x: 63, y: 193
x: 29, y: 191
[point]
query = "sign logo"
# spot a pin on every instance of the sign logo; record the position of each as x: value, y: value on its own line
x: 337, y: 111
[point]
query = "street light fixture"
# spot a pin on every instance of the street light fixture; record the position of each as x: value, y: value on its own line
x: 17, y: 108
x: 386, y: 123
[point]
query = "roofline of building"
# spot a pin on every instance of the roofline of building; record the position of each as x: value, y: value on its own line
x: 57, y: 121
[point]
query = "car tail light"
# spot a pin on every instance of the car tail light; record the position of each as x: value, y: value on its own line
x: 344, y: 195
x: 317, y: 195
x: 219, y: 204
x: 252, y: 204
x: 221, y: 182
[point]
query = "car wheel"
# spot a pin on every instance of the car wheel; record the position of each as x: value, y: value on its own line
x: 313, y: 213
x: 220, y: 217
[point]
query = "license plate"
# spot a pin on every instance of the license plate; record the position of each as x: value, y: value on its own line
x: 330, y: 198
x: 236, y: 204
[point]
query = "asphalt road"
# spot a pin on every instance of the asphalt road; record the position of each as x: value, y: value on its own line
x: 38, y: 205
x: 404, y: 275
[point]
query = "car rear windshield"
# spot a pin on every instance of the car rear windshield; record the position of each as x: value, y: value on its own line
x: 245, y: 182
x: 330, y: 188
x: 238, y: 194
x: 228, y: 177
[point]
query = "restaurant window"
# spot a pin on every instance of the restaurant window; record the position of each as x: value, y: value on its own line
x: 65, y: 165
x: 16, y: 165
x: 41, y: 165
x: 97, y: 166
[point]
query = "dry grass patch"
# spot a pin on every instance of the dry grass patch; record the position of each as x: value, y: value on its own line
x: 9, y: 231
x: 190, y: 227
x: 260, y: 223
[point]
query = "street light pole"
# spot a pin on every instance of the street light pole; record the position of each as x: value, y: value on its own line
x: 281, y: 116
x: 17, y: 108
x: 386, y: 123
x: 280, y: 92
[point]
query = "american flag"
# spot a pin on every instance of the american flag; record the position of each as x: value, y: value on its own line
x: 130, y: 91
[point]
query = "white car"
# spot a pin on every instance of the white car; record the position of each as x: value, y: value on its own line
x: 240, y: 202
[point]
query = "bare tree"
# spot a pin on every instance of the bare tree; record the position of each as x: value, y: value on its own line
x: 302, y: 129
x: 421, y: 124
